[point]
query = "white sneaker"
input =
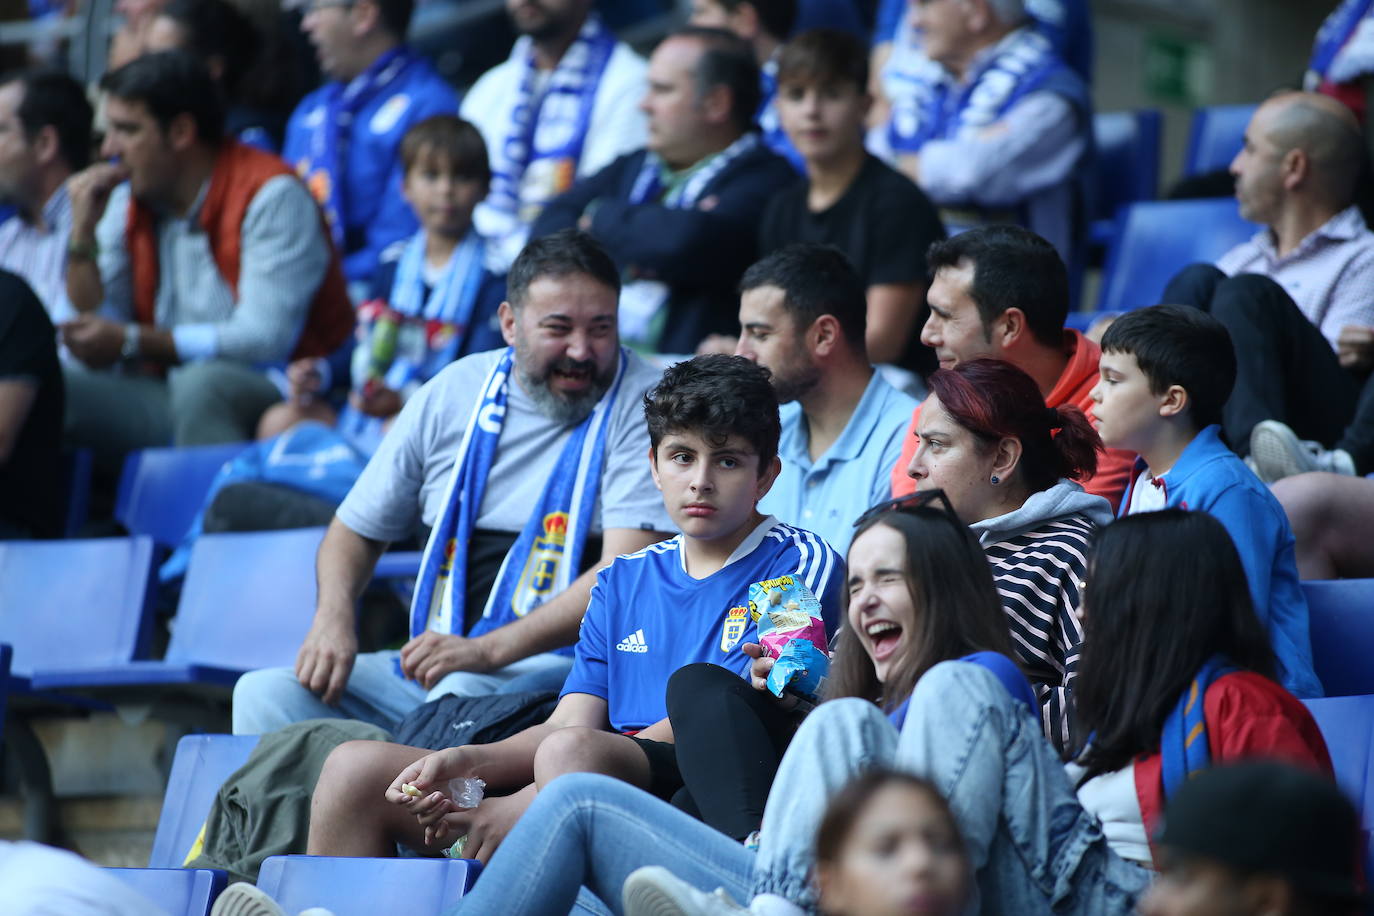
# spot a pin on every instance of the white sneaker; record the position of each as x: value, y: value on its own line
x: 243, y: 899
x: 655, y: 891
x: 1277, y: 452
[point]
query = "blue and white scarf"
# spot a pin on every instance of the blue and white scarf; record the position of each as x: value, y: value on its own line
x: 929, y: 105
x: 1183, y: 746
x: 548, y: 553
x: 1338, y: 38
x: 329, y: 142
x: 641, y: 299
x: 547, y: 129
x: 429, y: 331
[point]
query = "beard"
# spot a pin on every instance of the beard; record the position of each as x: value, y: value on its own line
x: 546, y: 25
x: 568, y: 408
x: 796, y: 383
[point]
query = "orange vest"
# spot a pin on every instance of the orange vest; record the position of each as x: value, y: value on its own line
x: 240, y: 171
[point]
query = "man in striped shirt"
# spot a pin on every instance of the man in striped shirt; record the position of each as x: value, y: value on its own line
x: 45, y: 136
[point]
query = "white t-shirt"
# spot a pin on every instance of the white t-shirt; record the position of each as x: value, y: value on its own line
x: 404, y: 484
x: 1112, y: 799
x: 1145, y: 496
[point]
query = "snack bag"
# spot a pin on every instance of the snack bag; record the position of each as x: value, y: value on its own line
x: 791, y: 630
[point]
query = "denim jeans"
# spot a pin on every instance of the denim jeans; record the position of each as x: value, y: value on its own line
x: 272, y: 698
x: 1032, y: 846
x: 583, y: 835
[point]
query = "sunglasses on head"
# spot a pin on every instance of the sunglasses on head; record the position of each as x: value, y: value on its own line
x: 923, y: 499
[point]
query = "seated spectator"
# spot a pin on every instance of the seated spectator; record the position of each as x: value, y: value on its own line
x: 994, y: 126
x: 342, y: 138
x: 45, y: 135
x: 561, y: 404
x: 434, y: 302
x: 713, y: 424
x: 1002, y: 292
x: 681, y: 217
x: 802, y: 318
x: 1257, y: 837
x: 130, y: 40
x: 561, y: 108
x: 765, y: 24
x: 256, y: 86
x: 851, y: 199
x: 1342, y: 62
x: 31, y: 497
x: 1169, y: 620
x: 1166, y: 372
x: 214, y: 254
x: 1008, y: 467
x: 1329, y: 514
x: 1296, y: 298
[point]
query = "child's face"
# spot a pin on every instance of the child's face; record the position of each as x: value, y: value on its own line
x: 823, y: 121
x: 709, y: 489
x: 442, y: 198
x: 881, y: 612
x: 901, y: 857
x: 1125, y: 411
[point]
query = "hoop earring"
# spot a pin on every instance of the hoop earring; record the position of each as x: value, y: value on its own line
x: 996, y: 480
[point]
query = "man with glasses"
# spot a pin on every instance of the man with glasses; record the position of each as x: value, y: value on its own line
x: 344, y: 137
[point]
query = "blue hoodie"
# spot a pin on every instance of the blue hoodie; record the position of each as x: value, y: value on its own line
x: 1208, y: 477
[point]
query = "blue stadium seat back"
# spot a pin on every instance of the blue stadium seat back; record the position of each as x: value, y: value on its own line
x: 76, y: 472
x: 201, y: 765
x: 398, y: 564
x: 1347, y: 724
x: 5, y: 653
x: 162, y: 489
x: 1157, y: 239
x: 1341, y: 621
x: 1217, y: 134
x: 1127, y: 165
x: 76, y: 604
x: 364, y: 887
x: 179, y: 891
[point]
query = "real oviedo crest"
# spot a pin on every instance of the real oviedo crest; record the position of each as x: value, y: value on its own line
x: 736, y: 622
x: 538, y: 581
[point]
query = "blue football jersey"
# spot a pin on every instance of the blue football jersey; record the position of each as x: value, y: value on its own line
x: 647, y: 617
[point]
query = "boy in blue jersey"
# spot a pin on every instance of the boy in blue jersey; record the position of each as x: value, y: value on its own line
x: 713, y: 428
x: 1166, y: 373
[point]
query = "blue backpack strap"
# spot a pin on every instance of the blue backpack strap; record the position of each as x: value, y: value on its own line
x: 1183, y: 747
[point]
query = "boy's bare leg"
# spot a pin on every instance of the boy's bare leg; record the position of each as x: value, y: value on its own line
x: 590, y: 750
x: 349, y: 813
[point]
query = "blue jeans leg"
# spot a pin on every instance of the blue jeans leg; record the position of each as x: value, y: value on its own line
x: 590, y: 830
x: 272, y: 698
x: 546, y: 671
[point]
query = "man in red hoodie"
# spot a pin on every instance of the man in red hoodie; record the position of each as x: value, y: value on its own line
x: 195, y: 261
x: 1003, y: 292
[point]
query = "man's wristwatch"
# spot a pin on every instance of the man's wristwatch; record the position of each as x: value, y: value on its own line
x: 129, y: 349
x: 87, y: 250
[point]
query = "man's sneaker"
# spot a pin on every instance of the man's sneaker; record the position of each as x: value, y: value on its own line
x: 246, y: 900
x: 1277, y: 452
x: 655, y: 891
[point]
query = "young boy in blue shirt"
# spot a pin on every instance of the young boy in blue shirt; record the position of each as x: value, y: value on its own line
x: 1166, y: 373
x: 713, y: 429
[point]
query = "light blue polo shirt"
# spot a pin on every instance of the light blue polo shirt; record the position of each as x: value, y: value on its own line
x: 853, y: 474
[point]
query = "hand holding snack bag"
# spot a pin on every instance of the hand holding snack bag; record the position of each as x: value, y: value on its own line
x: 790, y: 630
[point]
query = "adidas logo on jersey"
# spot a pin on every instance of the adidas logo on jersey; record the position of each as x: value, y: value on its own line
x: 633, y: 643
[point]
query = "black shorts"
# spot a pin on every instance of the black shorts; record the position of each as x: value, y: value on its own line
x: 664, y: 778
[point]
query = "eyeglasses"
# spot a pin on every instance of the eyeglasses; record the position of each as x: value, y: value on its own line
x: 315, y: 6
x: 932, y: 499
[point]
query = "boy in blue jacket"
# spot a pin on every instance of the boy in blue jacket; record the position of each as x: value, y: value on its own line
x: 1166, y: 373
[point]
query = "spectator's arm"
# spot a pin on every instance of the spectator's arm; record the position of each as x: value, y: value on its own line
x: 564, y: 211
x: 892, y: 310
x: 98, y: 269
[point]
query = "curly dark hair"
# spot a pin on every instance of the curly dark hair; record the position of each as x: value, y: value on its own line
x: 716, y: 397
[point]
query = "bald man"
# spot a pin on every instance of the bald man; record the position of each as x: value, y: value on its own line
x: 1298, y: 298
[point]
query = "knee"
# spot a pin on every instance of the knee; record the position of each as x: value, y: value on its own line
x: 261, y: 698
x: 568, y: 750
x: 690, y: 687
x: 1249, y: 298
x: 1303, y: 498
x: 353, y: 774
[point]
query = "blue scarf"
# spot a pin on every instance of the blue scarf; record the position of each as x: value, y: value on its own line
x: 329, y: 141
x: 547, y: 554
x: 404, y: 342
x: 1332, y: 36
x: 547, y: 130
x: 1183, y: 748
x: 931, y: 106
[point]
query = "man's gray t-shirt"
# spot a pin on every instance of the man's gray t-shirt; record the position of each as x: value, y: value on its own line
x: 404, y: 485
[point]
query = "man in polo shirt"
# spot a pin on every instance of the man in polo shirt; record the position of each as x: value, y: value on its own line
x: 802, y: 314
x: 1002, y: 292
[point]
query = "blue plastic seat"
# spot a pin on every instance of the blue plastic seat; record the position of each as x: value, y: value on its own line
x: 1157, y: 239
x: 363, y: 887
x: 1127, y: 166
x: 201, y: 765
x: 162, y: 489
x: 186, y: 891
x: 1217, y: 134
x: 1341, y: 621
x: 1347, y: 724
x: 247, y: 603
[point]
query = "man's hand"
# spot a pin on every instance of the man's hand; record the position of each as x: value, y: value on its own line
x: 93, y: 340
x: 1355, y: 347
x: 303, y: 378
x: 376, y: 401
x: 717, y: 343
x: 89, y: 192
x: 326, y: 659
x: 430, y: 656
